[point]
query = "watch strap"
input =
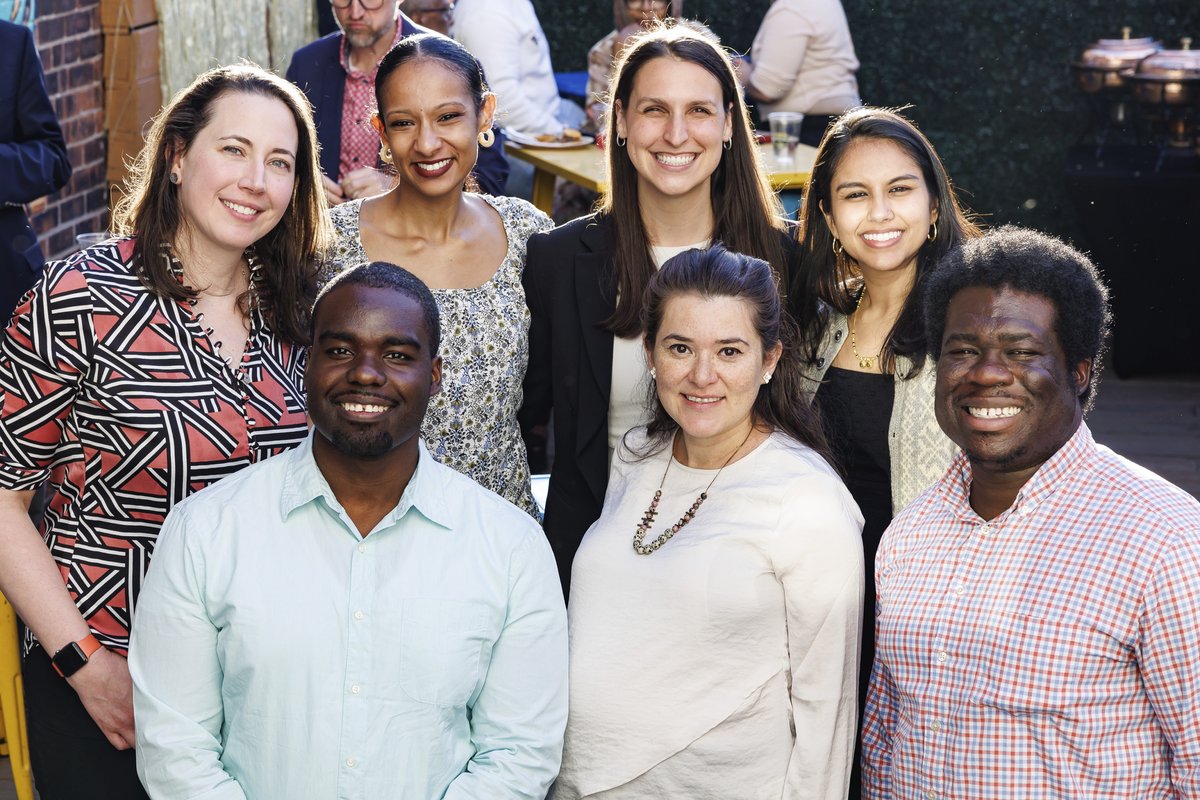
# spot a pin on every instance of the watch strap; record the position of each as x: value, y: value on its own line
x: 75, y: 655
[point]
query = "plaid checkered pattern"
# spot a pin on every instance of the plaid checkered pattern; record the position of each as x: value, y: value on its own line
x: 360, y: 142
x: 1052, y: 652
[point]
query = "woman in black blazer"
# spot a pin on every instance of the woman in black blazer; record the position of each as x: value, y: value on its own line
x: 683, y: 172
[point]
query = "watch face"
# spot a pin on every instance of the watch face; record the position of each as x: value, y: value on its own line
x: 69, y: 660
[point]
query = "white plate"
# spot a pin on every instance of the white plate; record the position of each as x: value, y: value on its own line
x: 528, y: 140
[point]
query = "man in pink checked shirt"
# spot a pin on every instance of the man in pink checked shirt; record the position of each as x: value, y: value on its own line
x: 1038, y: 615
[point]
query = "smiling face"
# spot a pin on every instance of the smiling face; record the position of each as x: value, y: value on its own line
x: 674, y: 124
x: 429, y: 120
x: 236, y: 178
x: 370, y: 374
x: 1005, y: 393
x: 710, y: 364
x: 880, y: 207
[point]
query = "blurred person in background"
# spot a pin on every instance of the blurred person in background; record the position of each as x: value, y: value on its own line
x: 803, y: 60
x: 436, y: 15
x: 33, y: 161
x: 629, y: 18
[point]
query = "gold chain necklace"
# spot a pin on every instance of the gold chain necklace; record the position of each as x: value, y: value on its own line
x: 864, y: 362
x: 652, y: 511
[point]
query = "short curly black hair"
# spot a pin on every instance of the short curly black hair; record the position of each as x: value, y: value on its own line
x: 384, y: 275
x: 1028, y: 261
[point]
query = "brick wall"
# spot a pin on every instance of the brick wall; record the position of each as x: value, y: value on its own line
x: 70, y: 43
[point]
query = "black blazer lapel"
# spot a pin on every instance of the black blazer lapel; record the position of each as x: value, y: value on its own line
x: 595, y: 301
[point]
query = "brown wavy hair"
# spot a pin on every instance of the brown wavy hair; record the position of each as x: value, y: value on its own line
x: 290, y: 252
x: 747, y: 215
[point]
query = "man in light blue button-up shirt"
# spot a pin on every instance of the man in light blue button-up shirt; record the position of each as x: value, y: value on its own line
x: 352, y: 619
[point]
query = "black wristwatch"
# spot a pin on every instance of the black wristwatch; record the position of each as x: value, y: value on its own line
x: 71, y: 658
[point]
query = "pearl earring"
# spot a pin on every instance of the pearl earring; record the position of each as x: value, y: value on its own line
x: 653, y: 374
x: 766, y: 377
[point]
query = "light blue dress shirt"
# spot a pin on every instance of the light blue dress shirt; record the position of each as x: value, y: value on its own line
x: 278, y: 655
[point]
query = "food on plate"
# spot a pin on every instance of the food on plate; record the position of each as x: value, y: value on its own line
x: 568, y: 135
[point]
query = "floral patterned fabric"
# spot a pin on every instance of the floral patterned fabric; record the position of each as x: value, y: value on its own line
x: 471, y: 425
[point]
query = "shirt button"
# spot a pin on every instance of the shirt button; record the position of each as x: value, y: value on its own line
x: 359, y: 615
x: 935, y: 726
x: 942, y: 656
x: 250, y: 423
x: 362, y: 548
x: 350, y: 762
x: 820, y: 362
x: 931, y: 796
x: 959, y: 589
x: 985, y: 529
x: 355, y: 689
x: 837, y: 336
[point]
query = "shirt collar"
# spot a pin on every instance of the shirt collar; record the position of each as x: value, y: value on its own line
x: 370, y: 75
x: 1049, y: 478
x: 303, y: 484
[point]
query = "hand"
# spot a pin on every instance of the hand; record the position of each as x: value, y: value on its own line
x: 366, y: 182
x: 333, y: 191
x: 104, y: 686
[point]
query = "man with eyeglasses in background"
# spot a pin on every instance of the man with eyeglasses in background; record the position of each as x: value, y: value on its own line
x: 337, y: 72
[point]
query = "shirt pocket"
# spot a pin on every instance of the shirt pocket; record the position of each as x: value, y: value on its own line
x: 442, y: 646
x: 1033, y: 665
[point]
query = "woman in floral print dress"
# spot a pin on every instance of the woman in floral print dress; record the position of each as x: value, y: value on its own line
x: 434, y: 113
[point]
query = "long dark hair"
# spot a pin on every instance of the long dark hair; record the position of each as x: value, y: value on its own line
x: 747, y: 215
x: 834, y: 278
x: 150, y: 208
x: 449, y: 54
x: 718, y: 272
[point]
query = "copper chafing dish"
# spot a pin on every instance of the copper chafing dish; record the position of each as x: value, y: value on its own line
x: 1168, y: 77
x: 1104, y: 64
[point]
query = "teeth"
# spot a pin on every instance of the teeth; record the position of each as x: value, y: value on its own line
x: 676, y: 161
x: 994, y: 413
x: 881, y: 237
x: 360, y: 408
x: 239, y: 208
x: 695, y: 399
x: 434, y: 166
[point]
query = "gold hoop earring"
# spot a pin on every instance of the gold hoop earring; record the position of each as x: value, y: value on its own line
x: 932, y: 233
x: 837, y: 247
x: 486, y: 138
x: 385, y: 154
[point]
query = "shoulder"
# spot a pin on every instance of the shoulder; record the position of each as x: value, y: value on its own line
x: 243, y: 489
x: 1145, y: 499
x: 314, y: 53
x: 479, y: 513
x: 108, y: 261
x: 588, y: 232
x: 519, y: 216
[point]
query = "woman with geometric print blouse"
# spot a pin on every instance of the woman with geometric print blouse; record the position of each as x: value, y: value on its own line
x: 139, y: 371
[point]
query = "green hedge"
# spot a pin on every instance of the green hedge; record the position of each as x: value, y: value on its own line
x: 988, y: 83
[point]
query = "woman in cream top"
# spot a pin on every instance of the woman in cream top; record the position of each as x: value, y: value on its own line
x: 715, y: 605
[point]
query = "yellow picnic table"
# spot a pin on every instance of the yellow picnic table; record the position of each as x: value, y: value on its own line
x: 585, y: 166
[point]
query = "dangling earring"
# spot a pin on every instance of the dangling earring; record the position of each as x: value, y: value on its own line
x: 621, y: 142
x: 486, y: 138
x: 385, y: 154
x: 766, y: 377
x: 932, y: 233
x: 727, y: 144
x: 837, y: 247
x: 174, y: 178
x: 653, y: 374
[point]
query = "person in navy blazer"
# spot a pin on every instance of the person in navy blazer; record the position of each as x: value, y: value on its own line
x: 317, y: 69
x: 33, y: 161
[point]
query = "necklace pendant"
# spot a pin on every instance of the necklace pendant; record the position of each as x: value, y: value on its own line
x: 866, y: 362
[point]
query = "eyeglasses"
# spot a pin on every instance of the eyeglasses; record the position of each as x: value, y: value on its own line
x: 367, y: 5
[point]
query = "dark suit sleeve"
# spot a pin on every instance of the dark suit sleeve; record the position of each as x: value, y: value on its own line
x: 491, y: 170
x: 535, y: 410
x: 34, y: 163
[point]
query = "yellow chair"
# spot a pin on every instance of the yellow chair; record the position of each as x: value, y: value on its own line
x: 12, y: 702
